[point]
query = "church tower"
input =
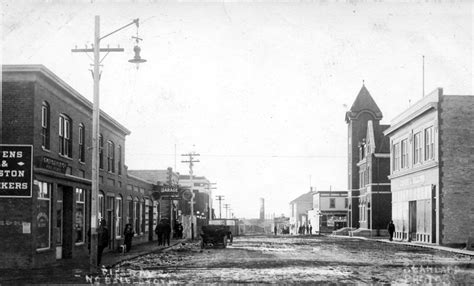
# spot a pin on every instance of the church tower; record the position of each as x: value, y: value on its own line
x: 363, y: 109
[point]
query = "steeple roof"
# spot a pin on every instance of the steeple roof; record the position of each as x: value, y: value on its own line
x: 364, y: 103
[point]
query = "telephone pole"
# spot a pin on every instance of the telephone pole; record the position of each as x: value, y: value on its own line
x: 227, y: 207
x: 220, y: 198
x: 191, y: 162
x: 210, y: 187
x: 96, y: 50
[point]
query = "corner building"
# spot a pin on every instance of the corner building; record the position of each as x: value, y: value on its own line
x: 432, y: 170
x: 42, y: 111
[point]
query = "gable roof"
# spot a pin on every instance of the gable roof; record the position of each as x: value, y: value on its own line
x: 304, y: 197
x: 364, y: 103
x: 152, y: 176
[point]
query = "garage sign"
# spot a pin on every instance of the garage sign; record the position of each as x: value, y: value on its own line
x: 16, y: 171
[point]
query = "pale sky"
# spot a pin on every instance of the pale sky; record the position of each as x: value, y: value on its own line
x: 259, y: 88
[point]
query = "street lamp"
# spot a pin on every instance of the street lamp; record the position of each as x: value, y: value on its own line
x: 95, y: 123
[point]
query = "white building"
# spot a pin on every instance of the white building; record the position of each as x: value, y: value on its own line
x: 329, y: 211
x: 299, y: 208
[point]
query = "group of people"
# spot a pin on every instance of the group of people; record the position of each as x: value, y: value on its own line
x: 308, y: 229
x: 163, y: 230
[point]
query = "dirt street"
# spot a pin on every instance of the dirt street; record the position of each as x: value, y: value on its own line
x: 286, y: 259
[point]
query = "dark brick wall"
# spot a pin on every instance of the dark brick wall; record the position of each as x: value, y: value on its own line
x: 381, y: 206
x: 381, y: 170
x: 22, y: 96
x: 17, y: 127
x: 17, y: 109
x: 357, y: 130
x: 456, y: 136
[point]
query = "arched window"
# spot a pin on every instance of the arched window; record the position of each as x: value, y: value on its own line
x: 118, y: 215
x: 45, y: 125
x: 136, y: 206
x: 120, y: 160
x: 110, y: 156
x: 80, y: 217
x: 130, y: 210
x: 82, y: 148
x: 65, y: 135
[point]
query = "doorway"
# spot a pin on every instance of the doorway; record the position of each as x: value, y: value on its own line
x: 64, y: 226
x: 110, y: 219
x: 59, y: 224
x: 411, y: 220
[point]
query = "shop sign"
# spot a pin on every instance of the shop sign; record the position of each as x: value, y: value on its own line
x: 169, y: 193
x: 16, y: 171
x: 51, y: 164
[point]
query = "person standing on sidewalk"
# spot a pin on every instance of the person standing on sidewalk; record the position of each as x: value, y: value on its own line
x: 166, y: 233
x: 128, y: 235
x: 159, y: 231
x: 391, y: 229
x: 102, y: 239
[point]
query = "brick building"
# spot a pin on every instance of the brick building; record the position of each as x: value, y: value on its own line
x: 432, y: 170
x: 166, y: 182
x: 368, y: 165
x: 375, y: 199
x: 40, y: 110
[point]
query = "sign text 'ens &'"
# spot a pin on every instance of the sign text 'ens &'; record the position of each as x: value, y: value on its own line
x: 15, y: 170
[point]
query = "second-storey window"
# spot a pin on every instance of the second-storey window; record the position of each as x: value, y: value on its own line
x: 65, y: 136
x: 429, y: 143
x: 110, y: 156
x: 45, y: 125
x: 101, y: 151
x: 396, y: 157
x: 120, y: 159
x: 332, y: 203
x: 417, y: 148
x: 404, y: 157
x: 82, y: 148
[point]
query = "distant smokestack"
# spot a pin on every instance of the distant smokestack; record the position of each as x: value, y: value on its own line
x: 262, y: 209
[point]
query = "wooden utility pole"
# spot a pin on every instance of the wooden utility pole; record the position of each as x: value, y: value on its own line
x: 220, y: 198
x: 191, y: 162
x: 227, y: 207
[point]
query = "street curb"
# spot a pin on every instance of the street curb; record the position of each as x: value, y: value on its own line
x: 412, y: 244
x: 148, y: 252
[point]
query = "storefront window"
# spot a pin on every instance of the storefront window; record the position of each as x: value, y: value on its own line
x: 118, y: 215
x: 101, y: 209
x: 143, y: 211
x: 136, y: 206
x: 147, y: 218
x: 130, y: 210
x: 79, y: 223
x: 43, y: 233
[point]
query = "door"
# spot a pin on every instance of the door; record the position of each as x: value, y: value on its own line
x: 59, y: 224
x: 411, y: 220
x: 110, y: 224
x: 110, y: 218
x: 150, y: 223
x: 64, y: 222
